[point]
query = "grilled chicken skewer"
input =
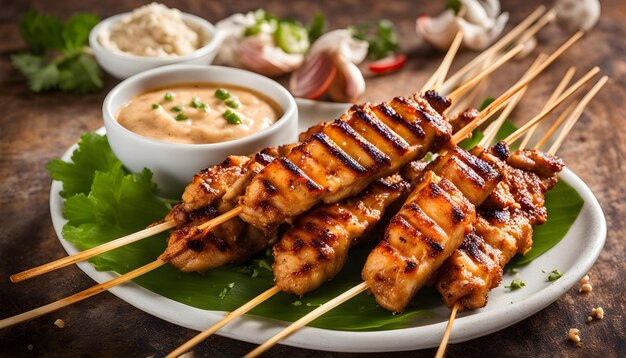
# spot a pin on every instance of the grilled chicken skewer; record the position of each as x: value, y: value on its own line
x: 171, y: 223
x: 263, y: 192
x: 487, y: 258
x: 388, y: 299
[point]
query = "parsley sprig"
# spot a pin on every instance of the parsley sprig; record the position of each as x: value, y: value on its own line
x: 58, y: 56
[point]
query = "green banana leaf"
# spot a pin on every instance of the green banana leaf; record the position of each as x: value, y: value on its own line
x: 101, y: 215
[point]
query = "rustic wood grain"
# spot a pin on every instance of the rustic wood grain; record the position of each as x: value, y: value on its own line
x: 35, y: 128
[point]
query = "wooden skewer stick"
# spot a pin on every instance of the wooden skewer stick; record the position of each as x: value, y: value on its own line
x: 484, y: 73
x: 84, y: 255
x: 446, y: 335
x: 577, y: 113
x: 231, y: 316
x: 557, y: 92
x: 573, y: 88
x: 316, y: 313
x: 498, y: 45
x: 511, y: 91
x: 562, y: 117
x: 7, y: 322
x: 491, y: 131
x: 308, y: 318
x: 439, y: 75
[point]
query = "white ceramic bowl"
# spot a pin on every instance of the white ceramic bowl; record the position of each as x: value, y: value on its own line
x: 122, y: 65
x: 174, y: 164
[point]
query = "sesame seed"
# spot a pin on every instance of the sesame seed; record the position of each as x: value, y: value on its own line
x: 584, y: 280
x: 59, y: 323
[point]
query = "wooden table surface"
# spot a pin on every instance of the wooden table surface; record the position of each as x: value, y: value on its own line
x: 35, y: 128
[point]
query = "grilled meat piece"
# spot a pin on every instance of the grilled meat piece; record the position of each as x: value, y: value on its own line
x: 462, y: 119
x: 468, y: 278
x: 343, y: 157
x: 474, y: 269
x: 428, y: 228
x: 233, y: 242
x: 216, y: 185
x: 437, y: 101
x: 316, y: 247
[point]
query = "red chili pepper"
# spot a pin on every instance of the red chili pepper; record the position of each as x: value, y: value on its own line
x: 388, y: 64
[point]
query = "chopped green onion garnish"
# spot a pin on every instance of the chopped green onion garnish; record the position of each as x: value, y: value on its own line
x: 177, y: 109
x: 232, y: 117
x: 180, y: 117
x: 555, y: 275
x: 169, y: 96
x: 222, y: 94
x: 204, y: 107
x: 232, y: 103
x: 196, y: 103
x: 155, y: 105
x: 517, y: 283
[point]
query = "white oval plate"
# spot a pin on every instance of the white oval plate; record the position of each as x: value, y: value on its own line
x: 573, y: 256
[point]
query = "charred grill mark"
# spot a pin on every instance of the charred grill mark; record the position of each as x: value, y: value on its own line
x: 263, y: 158
x: 322, y: 249
x: 435, y: 245
x: 340, y: 154
x: 298, y: 244
x: 269, y: 187
x: 311, y: 185
x: 497, y: 215
x: 435, y: 190
x: 457, y: 215
x: 378, y: 156
x: 471, y: 246
x: 304, y: 269
x: 393, y: 115
x: 410, y: 266
x: 195, y: 245
x: 437, y: 101
x: 202, y: 213
x: 480, y: 166
x: 501, y: 149
x: 219, y: 243
x: 381, y: 129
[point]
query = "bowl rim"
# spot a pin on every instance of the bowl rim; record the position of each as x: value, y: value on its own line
x: 211, y: 45
x: 109, y: 117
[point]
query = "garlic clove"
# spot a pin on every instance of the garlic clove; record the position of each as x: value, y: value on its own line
x: 476, y: 14
x: 492, y: 7
x: 529, y: 46
x: 348, y: 83
x: 258, y: 54
x: 314, y: 77
x: 574, y: 15
x: 438, y: 31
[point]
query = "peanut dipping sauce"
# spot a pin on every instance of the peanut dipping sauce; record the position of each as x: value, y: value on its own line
x: 193, y: 114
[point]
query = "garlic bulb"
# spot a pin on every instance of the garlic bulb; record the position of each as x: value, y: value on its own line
x: 574, y: 15
x: 481, y: 23
x: 331, y: 66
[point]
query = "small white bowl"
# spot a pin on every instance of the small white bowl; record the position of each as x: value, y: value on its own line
x: 174, y: 164
x: 122, y: 65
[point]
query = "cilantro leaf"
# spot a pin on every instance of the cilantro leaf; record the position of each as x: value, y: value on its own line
x: 41, y: 32
x: 80, y: 74
x: 382, y: 37
x: 58, y: 58
x: 44, y: 79
x: 76, y: 30
x: 93, y: 154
